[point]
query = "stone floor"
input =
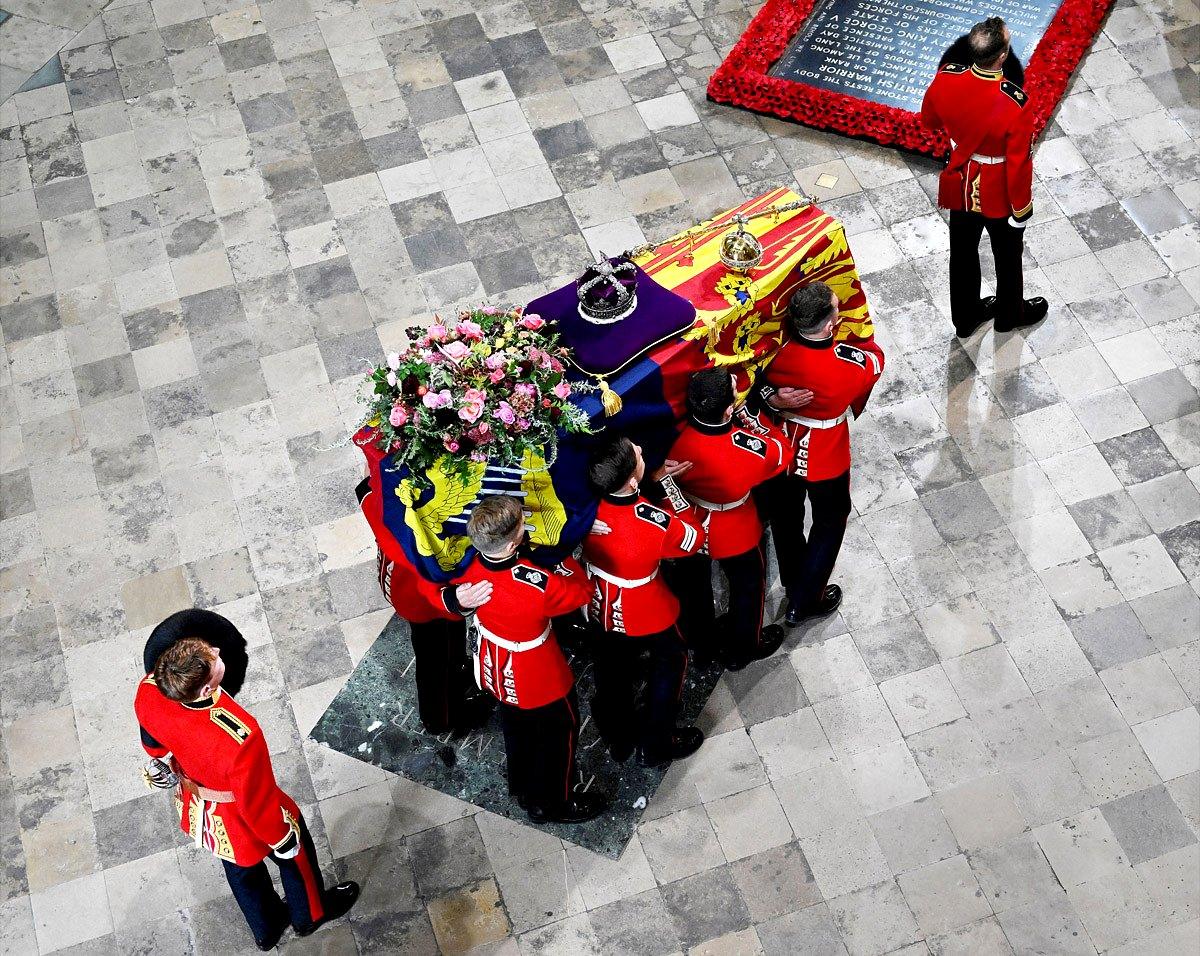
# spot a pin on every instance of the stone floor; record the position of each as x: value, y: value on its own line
x: 223, y: 212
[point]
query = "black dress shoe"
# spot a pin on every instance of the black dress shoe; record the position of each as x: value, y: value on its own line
x: 338, y: 902
x: 829, y: 601
x: 768, y: 643
x: 274, y: 936
x: 685, y: 741
x: 474, y: 714
x: 620, y: 752
x: 1033, y: 312
x: 984, y: 315
x: 580, y: 808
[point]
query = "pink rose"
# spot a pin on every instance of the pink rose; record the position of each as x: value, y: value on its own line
x: 533, y: 321
x: 437, y: 332
x: 505, y: 413
x: 562, y: 389
x: 469, y: 330
x: 438, y: 399
x: 555, y: 365
x: 456, y: 351
x: 450, y: 444
x: 495, y: 360
x: 398, y: 416
x: 496, y: 376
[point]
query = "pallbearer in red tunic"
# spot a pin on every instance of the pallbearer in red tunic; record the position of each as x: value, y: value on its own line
x: 988, y: 182
x: 518, y: 661
x: 729, y: 459
x: 813, y: 385
x: 447, y: 699
x: 633, y: 608
x: 212, y: 751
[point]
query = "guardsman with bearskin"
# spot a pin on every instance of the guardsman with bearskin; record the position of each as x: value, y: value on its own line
x: 211, y: 750
x: 633, y: 608
x: 518, y: 661
x: 447, y: 699
x: 730, y: 456
x: 988, y: 181
x: 813, y: 385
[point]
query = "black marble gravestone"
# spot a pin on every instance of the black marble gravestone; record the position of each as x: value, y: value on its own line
x: 887, y: 51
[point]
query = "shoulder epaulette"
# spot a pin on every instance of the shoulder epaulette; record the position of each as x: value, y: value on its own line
x: 656, y: 516
x: 233, y: 725
x: 751, y: 443
x: 955, y: 68
x: 531, y: 576
x: 1014, y: 92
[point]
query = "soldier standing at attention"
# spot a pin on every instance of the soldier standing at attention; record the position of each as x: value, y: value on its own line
x: 633, y: 607
x: 840, y: 378
x: 728, y: 461
x: 212, y: 751
x: 518, y: 661
x: 988, y: 181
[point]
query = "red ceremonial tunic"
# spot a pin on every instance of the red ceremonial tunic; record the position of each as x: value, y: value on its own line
x: 642, y: 535
x: 524, y: 598
x: 990, y: 130
x: 841, y: 377
x: 728, y: 461
x: 218, y: 745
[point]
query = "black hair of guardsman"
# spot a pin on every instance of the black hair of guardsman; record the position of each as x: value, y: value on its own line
x: 810, y: 308
x: 709, y: 394
x: 611, y: 462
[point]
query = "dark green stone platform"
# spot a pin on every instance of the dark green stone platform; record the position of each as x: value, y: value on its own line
x: 374, y: 718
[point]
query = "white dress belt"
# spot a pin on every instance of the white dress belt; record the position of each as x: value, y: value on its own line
x: 516, y: 646
x: 986, y: 160
x: 817, y: 422
x: 620, y: 582
x: 713, y: 506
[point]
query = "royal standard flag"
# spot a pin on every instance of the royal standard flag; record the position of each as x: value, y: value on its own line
x: 692, y: 312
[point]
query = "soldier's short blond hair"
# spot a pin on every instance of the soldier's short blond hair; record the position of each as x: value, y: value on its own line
x: 495, y: 523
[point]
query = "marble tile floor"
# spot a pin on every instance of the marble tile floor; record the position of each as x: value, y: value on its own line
x: 224, y: 210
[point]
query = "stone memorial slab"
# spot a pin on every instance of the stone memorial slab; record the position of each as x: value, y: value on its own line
x: 886, y: 51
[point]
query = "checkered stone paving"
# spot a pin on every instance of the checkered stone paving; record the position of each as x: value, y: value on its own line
x: 223, y: 211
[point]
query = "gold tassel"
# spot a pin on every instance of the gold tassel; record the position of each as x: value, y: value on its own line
x: 609, y: 399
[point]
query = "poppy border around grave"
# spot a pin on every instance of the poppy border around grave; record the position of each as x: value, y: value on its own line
x: 743, y: 80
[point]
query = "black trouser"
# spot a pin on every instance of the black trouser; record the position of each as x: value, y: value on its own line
x: 443, y: 672
x: 966, y: 229
x: 742, y: 631
x: 303, y: 888
x: 619, y: 667
x: 539, y: 744
x: 805, y: 565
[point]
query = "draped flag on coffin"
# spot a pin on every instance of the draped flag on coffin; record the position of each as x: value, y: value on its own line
x: 737, y: 322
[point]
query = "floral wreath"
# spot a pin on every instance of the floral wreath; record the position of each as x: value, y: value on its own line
x: 487, y: 387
